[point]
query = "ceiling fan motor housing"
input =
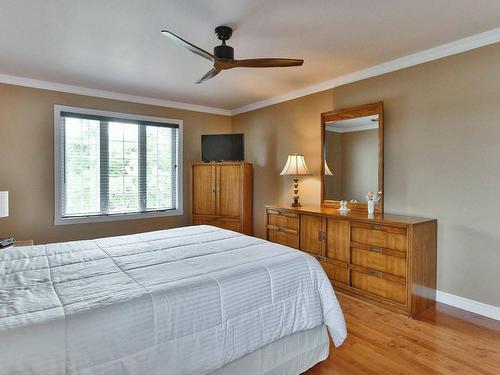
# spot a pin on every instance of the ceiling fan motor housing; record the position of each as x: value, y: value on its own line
x: 224, y: 52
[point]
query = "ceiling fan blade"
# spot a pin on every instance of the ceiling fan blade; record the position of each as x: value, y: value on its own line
x: 210, y: 74
x: 264, y: 63
x: 195, y: 49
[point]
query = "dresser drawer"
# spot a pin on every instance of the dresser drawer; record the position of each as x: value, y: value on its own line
x: 379, y: 284
x: 379, y: 259
x: 283, y: 219
x: 335, y: 272
x: 283, y: 237
x: 380, y: 236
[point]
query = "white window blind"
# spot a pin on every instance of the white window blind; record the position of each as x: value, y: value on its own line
x: 111, y: 167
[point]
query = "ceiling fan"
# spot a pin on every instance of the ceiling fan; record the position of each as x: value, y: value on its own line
x: 223, y: 56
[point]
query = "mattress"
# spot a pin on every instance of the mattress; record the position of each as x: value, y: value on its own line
x: 180, y: 301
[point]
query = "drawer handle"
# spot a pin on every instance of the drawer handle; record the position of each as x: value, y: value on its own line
x: 280, y: 213
x: 280, y: 229
x: 376, y: 227
x: 376, y: 273
x: 376, y: 249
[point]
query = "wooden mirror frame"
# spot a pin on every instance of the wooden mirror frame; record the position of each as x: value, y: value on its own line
x: 349, y: 113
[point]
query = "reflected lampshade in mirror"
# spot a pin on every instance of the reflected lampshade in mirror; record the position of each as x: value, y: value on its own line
x: 328, y: 172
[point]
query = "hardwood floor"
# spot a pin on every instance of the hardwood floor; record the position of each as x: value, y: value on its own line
x: 444, y: 340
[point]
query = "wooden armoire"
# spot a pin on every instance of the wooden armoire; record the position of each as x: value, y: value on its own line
x: 222, y: 195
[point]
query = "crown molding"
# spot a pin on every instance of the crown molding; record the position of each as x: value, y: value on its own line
x: 444, y: 50
x: 53, y: 86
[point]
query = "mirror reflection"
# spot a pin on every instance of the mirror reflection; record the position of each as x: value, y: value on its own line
x: 351, y: 158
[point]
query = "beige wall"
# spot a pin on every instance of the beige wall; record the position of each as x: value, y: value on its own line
x: 27, y: 162
x: 442, y: 157
x: 271, y: 134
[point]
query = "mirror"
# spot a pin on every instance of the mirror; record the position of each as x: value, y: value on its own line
x: 352, y: 155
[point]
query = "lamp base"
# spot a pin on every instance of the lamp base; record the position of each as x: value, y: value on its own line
x: 295, y: 197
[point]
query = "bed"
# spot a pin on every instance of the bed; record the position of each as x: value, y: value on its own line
x: 191, y: 300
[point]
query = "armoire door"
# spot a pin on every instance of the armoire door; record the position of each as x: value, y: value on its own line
x: 228, y: 190
x: 311, y: 234
x: 203, y: 190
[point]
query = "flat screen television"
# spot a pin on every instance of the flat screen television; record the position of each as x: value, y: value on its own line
x: 222, y: 147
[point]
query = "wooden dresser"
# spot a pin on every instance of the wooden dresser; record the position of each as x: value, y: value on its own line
x: 222, y: 195
x: 389, y: 260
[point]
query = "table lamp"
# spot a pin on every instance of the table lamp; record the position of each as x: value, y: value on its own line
x: 4, y: 203
x: 295, y: 166
x: 4, y: 212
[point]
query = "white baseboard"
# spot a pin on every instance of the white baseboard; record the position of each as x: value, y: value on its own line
x: 479, y: 308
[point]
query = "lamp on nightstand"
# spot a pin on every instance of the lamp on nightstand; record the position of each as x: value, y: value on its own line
x: 295, y: 166
x: 4, y: 212
x: 4, y: 203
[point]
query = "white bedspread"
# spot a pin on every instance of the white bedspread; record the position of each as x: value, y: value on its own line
x: 180, y: 301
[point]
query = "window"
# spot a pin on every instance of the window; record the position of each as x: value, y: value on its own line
x: 112, y: 166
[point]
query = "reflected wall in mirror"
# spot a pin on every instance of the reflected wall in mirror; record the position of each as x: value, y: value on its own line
x: 352, y: 155
x: 351, y: 151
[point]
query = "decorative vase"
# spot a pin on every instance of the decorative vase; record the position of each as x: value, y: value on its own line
x: 371, y: 207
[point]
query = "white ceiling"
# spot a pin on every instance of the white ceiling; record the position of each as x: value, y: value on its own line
x: 116, y: 45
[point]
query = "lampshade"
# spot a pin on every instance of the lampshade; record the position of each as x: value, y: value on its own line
x: 4, y: 203
x: 295, y: 166
x: 328, y: 172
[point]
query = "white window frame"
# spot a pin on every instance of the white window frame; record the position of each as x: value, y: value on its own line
x: 59, y: 160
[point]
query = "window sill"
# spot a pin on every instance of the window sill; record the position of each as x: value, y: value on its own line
x: 116, y: 217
